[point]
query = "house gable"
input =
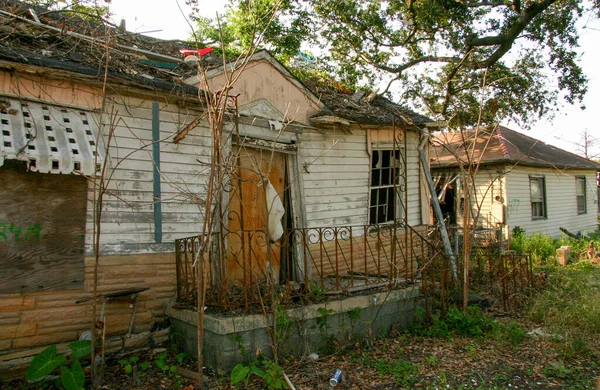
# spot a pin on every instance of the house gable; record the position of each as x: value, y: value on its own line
x: 261, y: 108
x: 264, y: 79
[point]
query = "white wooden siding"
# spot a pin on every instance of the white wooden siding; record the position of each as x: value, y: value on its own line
x: 489, y: 184
x: 561, y: 201
x: 335, y: 173
x: 128, y: 218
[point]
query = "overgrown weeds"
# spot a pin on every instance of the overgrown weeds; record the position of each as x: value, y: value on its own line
x: 569, y: 307
x: 472, y: 324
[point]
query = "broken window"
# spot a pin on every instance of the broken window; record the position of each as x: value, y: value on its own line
x: 385, y: 183
x: 580, y: 193
x: 537, y: 187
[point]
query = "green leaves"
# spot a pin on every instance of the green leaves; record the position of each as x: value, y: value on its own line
x: 271, y: 373
x: 80, y: 348
x: 239, y: 373
x: 73, y: 378
x: 44, y: 363
x: 465, y: 64
x: 47, y: 361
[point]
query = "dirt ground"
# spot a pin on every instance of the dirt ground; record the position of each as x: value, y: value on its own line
x: 399, y: 361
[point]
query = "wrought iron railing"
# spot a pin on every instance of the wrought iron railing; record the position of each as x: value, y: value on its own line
x: 241, y: 266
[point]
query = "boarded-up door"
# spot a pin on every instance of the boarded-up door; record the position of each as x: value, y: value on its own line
x: 250, y: 250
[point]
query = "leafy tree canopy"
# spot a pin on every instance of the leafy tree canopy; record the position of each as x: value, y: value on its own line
x: 91, y: 8
x: 435, y: 54
x: 247, y: 24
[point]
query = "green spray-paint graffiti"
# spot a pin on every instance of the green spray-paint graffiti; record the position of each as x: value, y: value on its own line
x: 513, y: 206
x: 19, y: 233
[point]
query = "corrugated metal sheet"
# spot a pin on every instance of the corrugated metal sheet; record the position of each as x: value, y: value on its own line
x: 52, y: 139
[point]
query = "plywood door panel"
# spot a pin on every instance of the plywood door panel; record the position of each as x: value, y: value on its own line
x: 249, y: 249
x: 42, y: 227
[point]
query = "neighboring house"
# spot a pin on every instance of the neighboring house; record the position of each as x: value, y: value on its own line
x: 520, y: 181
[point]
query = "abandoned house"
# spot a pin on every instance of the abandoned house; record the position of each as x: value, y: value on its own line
x: 521, y: 181
x: 110, y: 161
x: 68, y: 137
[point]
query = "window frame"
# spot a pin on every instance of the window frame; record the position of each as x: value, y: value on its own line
x: 391, y: 187
x: 544, y: 204
x: 584, y: 195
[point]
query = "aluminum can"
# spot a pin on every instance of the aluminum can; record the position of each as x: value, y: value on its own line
x: 335, y: 378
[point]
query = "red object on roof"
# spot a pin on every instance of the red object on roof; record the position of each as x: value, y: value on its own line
x: 196, y: 52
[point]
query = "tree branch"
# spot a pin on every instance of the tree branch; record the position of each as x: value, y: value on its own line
x: 506, y: 40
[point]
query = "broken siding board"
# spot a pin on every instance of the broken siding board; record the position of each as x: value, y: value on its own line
x: 323, y: 206
x: 42, y: 227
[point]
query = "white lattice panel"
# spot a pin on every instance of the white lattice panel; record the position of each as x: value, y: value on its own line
x: 51, y: 139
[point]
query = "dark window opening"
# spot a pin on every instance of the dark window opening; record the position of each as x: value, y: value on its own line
x: 385, y: 177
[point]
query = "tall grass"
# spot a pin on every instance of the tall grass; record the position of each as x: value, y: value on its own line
x: 569, y: 308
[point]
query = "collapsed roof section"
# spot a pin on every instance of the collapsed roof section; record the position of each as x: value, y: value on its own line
x: 362, y: 107
x: 66, y: 41
x: 339, y: 106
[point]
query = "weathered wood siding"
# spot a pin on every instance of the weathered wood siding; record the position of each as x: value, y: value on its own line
x: 261, y: 80
x: 336, y: 172
x: 561, y: 201
x: 127, y: 217
x: 30, y: 319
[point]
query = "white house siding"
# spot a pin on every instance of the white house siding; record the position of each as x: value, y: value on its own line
x: 489, y: 184
x: 561, y: 201
x: 417, y: 189
x: 335, y: 173
x: 128, y: 217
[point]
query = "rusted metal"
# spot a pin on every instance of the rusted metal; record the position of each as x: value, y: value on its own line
x: 335, y: 255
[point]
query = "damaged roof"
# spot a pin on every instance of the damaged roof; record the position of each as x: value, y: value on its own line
x: 64, y: 40
x: 362, y: 107
x: 501, y: 145
x: 352, y: 106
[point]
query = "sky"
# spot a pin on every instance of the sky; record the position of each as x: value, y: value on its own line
x: 167, y: 19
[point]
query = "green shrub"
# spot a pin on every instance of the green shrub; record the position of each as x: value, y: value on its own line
x: 270, y: 372
x: 472, y: 323
x: 540, y: 246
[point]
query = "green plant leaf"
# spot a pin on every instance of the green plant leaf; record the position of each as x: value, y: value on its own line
x: 44, y: 363
x: 80, y: 348
x: 173, y: 369
x: 74, y: 378
x: 144, y: 365
x: 134, y: 359
x: 258, y: 372
x: 128, y: 368
x: 239, y: 373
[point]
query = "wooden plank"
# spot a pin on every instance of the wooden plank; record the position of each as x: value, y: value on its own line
x: 42, y: 228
